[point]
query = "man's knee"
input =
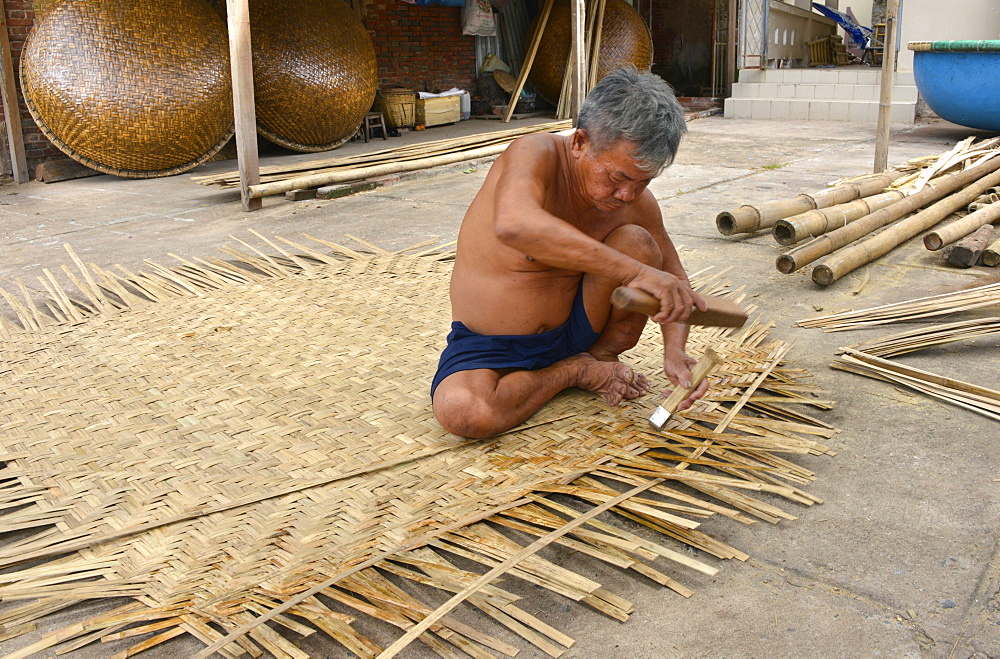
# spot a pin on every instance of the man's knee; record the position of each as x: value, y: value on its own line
x: 632, y: 240
x: 461, y: 412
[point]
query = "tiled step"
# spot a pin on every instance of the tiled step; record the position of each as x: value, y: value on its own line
x: 839, y: 92
x: 861, y: 111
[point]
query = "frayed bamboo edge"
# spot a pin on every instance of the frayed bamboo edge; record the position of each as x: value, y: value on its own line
x: 105, y: 292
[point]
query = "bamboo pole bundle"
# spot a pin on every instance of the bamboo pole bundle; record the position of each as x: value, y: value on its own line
x: 977, y: 178
x: 748, y: 219
x: 991, y: 256
x: 817, y: 222
x: 958, y: 229
x: 966, y: 252
x: 925, y: 307
x: 409, y: 152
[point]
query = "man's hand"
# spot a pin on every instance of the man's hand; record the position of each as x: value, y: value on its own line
x: 675, y: 294
x: 677, y: 367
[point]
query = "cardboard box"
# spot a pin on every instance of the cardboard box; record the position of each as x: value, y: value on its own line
x: 437, y: 111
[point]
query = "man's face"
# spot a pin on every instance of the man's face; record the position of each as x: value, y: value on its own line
x: 611, y: 177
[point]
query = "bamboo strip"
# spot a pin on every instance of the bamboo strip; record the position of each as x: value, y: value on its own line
x: 506, y: 565
x: 925, y: 307
x: 976, y: 178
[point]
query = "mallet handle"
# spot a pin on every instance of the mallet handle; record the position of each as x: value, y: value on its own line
x: 721, y: 312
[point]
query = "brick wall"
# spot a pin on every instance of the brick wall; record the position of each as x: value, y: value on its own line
x: 421, y: 47
x: 20, y: 17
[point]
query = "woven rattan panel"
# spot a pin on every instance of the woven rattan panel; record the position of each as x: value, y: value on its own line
x: 624, y: 40
x: 135, y: 89
x: 314, y: 72
x: 262, y: 428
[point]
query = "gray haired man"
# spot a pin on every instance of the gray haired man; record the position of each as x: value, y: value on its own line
x: 559, y: 223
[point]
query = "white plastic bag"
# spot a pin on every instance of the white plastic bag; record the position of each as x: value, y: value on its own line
x: 477, y: 18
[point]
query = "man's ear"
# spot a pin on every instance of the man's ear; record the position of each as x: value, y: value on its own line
x: 579, y: 142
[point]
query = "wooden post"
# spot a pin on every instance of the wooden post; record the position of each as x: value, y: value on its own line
x: 11, y: 109
x: 731, y: 48
x: 885, y: 99
x: 578, y: 57
x: 240, y: 57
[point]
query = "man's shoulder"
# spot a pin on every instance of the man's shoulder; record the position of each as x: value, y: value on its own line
x: 539, y: 145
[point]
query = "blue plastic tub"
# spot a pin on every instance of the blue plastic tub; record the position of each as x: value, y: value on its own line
x: 960, y: 80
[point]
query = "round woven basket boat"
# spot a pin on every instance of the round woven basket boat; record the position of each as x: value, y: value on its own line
x: 129, y: 88
x: 314, y: 72
x: 624, y: 40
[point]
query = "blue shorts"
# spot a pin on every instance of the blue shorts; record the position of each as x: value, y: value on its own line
x: 467, y: 350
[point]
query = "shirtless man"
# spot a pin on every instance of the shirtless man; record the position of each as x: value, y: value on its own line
x: 559, y: 223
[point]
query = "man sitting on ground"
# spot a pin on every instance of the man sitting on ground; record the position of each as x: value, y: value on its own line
x: 559, y: 223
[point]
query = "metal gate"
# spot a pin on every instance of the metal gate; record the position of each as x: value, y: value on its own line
x: 753, y: 34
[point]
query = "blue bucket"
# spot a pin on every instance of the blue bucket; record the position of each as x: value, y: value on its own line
x: 960, y: 80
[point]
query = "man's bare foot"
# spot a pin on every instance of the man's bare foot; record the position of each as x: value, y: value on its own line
x: 613, y: 380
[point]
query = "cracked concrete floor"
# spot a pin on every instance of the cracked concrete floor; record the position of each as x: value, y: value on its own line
x: 902, y: 558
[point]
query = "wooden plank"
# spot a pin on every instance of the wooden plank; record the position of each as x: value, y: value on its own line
x: 238, y: 15
x: 11, y: 109
x: 65, y: 169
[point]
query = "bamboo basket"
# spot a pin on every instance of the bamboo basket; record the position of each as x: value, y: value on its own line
x: 154, y: 104
x: 399, y: 106
x: 314, y: 72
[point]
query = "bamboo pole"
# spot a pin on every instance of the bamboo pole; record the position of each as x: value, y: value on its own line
x: 529, y: 59
x: 966, y: 252
x: 241, y: 63
x: 577, y: 14
x: 932, y: 192
x: 595, y: 52
x: 817, y: 222
x: 748, y: 219
x: 958, y: 229
x: 885, y: 98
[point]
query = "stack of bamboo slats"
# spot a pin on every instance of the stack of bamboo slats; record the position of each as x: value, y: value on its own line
x: 870, y: 358
x: 858, y: 220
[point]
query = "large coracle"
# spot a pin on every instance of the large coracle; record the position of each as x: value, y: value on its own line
x: 314, y: 72
x: 624, y: 40
x: 128, y: 88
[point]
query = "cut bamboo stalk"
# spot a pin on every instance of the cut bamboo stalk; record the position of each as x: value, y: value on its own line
x: 976, y: 178
x: 959, y: 229
x: 966, y: 252
x: 814, y: 223
x: 748, y: 219
x: 991, y: 255
x: 885, y: 96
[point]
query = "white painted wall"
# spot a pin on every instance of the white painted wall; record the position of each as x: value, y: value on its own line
x: 937, y: 20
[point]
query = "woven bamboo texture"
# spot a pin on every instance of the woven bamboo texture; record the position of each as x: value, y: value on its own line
x: 314, y: 72
x: 249, y: 439
x: 624, y: 40
x: 133, y: 89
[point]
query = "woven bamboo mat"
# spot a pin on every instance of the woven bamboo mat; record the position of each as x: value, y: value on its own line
x: 247, y: 441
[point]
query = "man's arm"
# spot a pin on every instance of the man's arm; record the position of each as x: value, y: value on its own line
x: 521, y: 222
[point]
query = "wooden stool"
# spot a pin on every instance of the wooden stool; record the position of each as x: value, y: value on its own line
x: 373, y: 120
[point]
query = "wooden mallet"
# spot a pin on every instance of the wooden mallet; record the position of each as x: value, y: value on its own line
x: 721, y: 312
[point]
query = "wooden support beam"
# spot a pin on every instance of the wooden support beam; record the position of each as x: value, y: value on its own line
x: 578, y: 57
x: 240, y: 57
x: 885, y: 99
x: 11, y: 109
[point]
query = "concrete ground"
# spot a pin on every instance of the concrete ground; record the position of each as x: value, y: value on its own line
x: 901, y: 560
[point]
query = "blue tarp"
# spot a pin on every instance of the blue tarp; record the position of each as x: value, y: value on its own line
x: 859, y: 33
